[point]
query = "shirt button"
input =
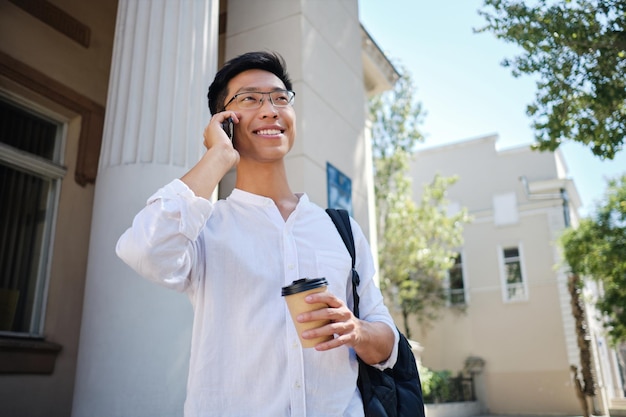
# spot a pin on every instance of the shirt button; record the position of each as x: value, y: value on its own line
x: 291, y: 267
x: 297, y: 384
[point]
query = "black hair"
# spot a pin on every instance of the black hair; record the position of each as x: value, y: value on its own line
x: 267, y: 61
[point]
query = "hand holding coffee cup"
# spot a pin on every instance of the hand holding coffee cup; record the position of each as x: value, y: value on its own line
x: 295, y: 295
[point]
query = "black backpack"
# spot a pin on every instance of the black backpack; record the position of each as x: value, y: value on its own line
x: 395, y: 392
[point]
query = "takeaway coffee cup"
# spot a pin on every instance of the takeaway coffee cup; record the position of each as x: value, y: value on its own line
x: 294, y: 296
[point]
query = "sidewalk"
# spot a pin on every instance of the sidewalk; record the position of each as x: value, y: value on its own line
x: 533, y: 415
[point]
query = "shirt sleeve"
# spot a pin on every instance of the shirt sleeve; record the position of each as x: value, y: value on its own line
x: 163, y: 242
x: 371, y: 303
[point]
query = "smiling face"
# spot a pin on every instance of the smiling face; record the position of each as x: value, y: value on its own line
x: 267, y: 133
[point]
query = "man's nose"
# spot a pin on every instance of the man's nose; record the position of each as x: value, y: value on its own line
x: 268, y: 108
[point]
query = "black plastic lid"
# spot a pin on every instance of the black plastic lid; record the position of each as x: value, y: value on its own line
x: 304, y: 284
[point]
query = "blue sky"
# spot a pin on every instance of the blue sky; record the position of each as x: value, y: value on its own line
x: 464, y: 90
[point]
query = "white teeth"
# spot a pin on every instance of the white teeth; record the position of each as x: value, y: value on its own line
x: 268, y: 132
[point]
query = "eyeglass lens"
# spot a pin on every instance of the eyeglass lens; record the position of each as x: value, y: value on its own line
x: 254, y: 99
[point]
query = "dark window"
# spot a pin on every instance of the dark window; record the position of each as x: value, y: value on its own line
x: 29, y: 182
x: 456, y: 285
x: 515, y: 288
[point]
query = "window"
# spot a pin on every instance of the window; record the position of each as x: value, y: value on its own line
x: 514, y: 284
x: 30, y: 175
x: 456, y: 287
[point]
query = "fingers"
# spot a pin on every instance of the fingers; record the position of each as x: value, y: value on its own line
x: 213, y: 132
x: 344, y: 333
x: 326, y: 298
x: 343, y: 325
x: 222, y: 116
x: 337, y: 310
x: 340, y: 340
x: 334, y: 315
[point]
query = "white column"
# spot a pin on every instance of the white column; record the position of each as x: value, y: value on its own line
x: 135, y: 336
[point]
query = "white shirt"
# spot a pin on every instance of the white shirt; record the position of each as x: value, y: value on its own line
x: 232, y: 258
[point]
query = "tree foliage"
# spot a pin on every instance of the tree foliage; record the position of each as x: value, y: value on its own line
x: 395, y: 119
x: 597, y: 249
x: 420, y: 242
x: 577, y: 49
x: 416, y: 241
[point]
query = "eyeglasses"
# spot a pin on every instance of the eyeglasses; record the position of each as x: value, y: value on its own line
x: 254, y: 99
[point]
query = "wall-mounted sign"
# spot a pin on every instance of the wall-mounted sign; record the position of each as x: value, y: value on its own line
x: 339, y: 188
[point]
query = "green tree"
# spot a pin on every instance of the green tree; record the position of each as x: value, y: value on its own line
x: 577, y: 50
x: 420, y: 244
x: 597, y: 249
x: 416, y: 241
x: 395, y: 116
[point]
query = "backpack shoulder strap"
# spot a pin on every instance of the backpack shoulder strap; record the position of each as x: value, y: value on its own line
x: 341, y: 219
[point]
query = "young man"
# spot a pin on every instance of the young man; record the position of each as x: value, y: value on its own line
x: 232, y: 258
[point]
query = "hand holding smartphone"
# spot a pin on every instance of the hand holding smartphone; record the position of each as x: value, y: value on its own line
x: 228, y: 127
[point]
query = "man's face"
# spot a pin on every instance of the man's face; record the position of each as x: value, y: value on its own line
x: 266, y: 133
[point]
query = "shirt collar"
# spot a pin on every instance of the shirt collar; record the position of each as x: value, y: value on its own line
x: 259, y: 200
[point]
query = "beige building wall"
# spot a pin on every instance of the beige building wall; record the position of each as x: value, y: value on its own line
x: 46, y: 57
x: 529, y: 344
x: 324, y: 60
x: 325, y: 48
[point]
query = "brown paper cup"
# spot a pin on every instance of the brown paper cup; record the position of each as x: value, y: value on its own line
x: 297, y: 305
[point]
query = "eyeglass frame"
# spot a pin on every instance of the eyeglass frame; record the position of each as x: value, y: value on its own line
x: 268, y: 93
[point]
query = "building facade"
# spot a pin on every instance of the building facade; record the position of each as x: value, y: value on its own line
x: 509, y: 302
x: 102, y: 103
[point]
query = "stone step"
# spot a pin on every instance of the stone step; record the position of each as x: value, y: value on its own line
x: 617, y: 407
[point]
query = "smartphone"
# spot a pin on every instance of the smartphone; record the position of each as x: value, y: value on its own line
x: 228, y: 127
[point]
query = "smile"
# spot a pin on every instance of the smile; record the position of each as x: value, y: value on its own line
x: 269, y: 132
